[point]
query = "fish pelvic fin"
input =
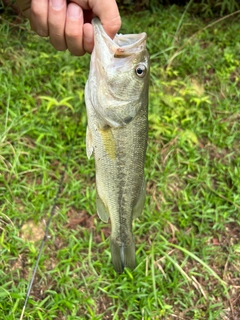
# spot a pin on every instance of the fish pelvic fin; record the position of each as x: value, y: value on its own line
x: 102, y: 209
x: 122, y: 256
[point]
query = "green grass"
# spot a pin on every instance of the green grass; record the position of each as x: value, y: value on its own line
x: 187, y: 239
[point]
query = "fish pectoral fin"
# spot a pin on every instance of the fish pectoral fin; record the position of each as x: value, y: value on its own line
x: 89, y: 143
x: 101, y: 209
x: 138, y: 208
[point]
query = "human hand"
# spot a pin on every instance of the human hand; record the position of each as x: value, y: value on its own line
x: 68, y: 24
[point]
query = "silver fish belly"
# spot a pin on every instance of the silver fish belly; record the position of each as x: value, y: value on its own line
x: 116, y: 96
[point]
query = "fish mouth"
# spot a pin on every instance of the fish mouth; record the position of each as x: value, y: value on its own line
x: 128, y: 44
x: 121, y: 46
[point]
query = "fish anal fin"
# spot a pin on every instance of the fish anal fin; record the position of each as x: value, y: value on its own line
x: 101, y: 209
x: 138, y: 208
x: 89, y: 143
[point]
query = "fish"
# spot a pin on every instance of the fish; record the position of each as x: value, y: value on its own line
x: 116, y: 99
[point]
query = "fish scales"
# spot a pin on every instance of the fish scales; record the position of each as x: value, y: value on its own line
x: 117, y: 107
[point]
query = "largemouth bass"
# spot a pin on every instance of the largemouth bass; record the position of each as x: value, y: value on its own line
x: 116, y: 96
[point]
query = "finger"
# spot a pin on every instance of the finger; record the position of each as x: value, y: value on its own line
x: 106, y: 11
x: 109, y: 15
x: 39, y: 17
x: 74, y: 29
x: 56, y: 22
x: 88, y: 40
x: 24, y: 6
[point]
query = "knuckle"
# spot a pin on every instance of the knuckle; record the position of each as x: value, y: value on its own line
x: 42, y: 32
x: 60, y: 46
x: 72, y: 33
x: 77, y: 52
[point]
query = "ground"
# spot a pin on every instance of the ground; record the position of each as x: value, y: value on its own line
x: 188, y: 237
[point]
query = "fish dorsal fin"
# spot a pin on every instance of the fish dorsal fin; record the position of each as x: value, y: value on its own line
x: 89, y: 143
x: 138, y: 208
x: 101, y: 209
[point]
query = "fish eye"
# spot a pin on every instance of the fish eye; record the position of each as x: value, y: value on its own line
x: 140, y: 70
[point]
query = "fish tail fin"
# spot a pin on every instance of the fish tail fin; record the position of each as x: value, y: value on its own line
x: 122, y: 256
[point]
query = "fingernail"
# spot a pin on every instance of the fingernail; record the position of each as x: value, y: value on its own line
x: 57, y: 4
x: 73, y: 11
